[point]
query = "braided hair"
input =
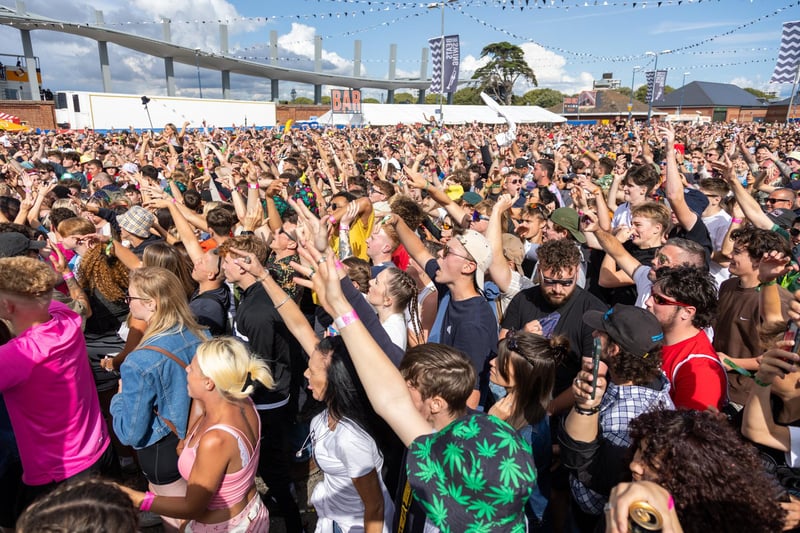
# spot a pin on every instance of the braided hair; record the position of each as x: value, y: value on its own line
x: 403, y: 290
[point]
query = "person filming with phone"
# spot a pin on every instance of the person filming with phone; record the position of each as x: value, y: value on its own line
x: 622, y: 380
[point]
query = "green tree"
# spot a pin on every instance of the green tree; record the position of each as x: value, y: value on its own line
x: 542, y: 98
x: 506, y: 66
x: 404, y: 98
x: 432, y: 98
x: 467, y: 96
x: 758, y: 94
x: 370, y: 101
x: 302, y: 100
x: 326, y: 100
x: 641, y: 93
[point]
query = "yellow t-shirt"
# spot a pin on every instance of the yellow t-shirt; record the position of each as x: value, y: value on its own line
x: 358, y: 237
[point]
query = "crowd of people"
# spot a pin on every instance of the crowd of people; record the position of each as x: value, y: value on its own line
x: 555, y: 329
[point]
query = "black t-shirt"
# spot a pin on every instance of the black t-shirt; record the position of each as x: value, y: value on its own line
x: 469, y: 325
x: 698, y: 233
x: 530, y: 304
x: 627, y: 295
x: 211, y: 309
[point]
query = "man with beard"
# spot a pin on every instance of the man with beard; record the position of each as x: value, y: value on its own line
x: 556, y: 305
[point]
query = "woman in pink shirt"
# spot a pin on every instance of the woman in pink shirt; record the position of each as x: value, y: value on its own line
x: 220, y: 455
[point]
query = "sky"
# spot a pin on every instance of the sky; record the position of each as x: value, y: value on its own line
x: 567, y: 43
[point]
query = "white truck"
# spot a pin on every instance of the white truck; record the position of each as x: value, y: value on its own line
x: 102, y: 112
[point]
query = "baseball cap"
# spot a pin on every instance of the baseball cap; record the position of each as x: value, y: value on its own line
x: 13, y: 244
x: 568, y: 218
x: 637, y: 330
x: 521, y: 162
x: 782, y: 217
x: 696, y: 201
x: 490, y: 465
x: 793, y: 155
x: 137, y: 220
x: 472, y: 198
x: 480, y: 250
x: 513, y: 250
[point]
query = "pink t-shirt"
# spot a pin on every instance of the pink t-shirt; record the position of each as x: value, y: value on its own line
x: 49, y: 391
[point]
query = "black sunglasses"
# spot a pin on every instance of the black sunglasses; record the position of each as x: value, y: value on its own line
x: 562, y: 282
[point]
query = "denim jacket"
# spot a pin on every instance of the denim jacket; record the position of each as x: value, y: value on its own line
x: 151, y: 379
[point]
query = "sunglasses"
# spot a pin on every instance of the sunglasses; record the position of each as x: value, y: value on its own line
x: 476, y: 216
x: 447, y: 251
x: 562, y: 282
x: 794, y: 232
x: 291, y: 237
x: 660, y: 299
x: 773, y: 200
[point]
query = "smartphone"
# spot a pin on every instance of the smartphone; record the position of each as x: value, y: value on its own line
x: 597, y: 349
x: 791, y: 336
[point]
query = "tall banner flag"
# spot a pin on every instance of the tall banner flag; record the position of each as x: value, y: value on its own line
x: 449, y: 59
x: 656, y: 81
x: 788, y: 55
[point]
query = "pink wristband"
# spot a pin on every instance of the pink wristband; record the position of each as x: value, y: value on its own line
x: 332, y: 220
x: 346, y: 319
x: 69, y: 275
x: 147, y: 502
x: 344, y: 227
x: 736, y: 220
x: 670, y: 503
x: 252, y: 185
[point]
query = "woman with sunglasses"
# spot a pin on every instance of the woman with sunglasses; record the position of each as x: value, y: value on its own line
x: 526, y: 367
x: 152, y: 407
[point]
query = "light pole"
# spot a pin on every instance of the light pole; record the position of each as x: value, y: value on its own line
x: 441, y: 5
x: 652, y: 91
x: 197, y: 64
x: 683, y: 88
x: 636, y: 69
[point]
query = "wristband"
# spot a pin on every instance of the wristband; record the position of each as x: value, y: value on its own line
x: 586, y: 410
x: 252, y: 185
x: 283, y: 302
x: 246, y: 232
x: 69, y: 275
x: 346, y: 319
x: 344, y: 226
x: 736, y: 220
x: 147, y: 502
x: 760, y: 383
x: 670, y: 503
x: 425, y: 188
x: 332, y: 220
x: 174, y: 201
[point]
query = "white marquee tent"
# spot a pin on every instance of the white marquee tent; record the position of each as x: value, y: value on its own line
x: 391, y: 114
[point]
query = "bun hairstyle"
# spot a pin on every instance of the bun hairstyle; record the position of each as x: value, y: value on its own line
x: 535, y: 359
x: 232, y: 368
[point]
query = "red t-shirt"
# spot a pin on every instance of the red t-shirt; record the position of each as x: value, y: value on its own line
x: 695, y: 373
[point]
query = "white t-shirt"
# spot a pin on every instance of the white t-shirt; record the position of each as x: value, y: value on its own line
x: 344, y: 453
x: 395, y: 327
x: 793, y: 455
x: 717, y: 225
x: 622, y: 216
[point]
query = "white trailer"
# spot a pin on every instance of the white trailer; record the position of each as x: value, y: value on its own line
x: 103, y: 112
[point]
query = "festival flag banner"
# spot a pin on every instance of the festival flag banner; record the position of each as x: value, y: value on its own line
x: 788, y: 55
x: 448, y: 59
x: 656, y: 81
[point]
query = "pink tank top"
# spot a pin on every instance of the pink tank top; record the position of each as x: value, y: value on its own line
x: 235, y: 486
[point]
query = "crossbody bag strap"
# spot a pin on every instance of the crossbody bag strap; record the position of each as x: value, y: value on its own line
x: 183, y: 365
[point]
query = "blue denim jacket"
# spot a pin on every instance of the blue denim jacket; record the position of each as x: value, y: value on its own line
x: 151, y: 379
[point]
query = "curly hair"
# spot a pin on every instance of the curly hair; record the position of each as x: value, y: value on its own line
x: 439, y: 370
x: 406, y: 208
x: 760, y: 241
x: 26, y: 276
x: 693, y: 287
x: 87, y: 505
x: 559, y: 255
x: 629, y: 367
x: 717, y: 479
x: 534, y: 360
x: 246, y: 243
x: 107, y: 275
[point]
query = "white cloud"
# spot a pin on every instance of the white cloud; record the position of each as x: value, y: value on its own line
x: 549, y: 68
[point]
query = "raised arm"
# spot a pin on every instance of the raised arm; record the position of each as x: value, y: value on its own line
x: 673, y: 185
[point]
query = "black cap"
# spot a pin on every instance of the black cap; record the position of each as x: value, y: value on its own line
x: 521, y: 162
x: 14, y: 244
x: 635, y: 329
